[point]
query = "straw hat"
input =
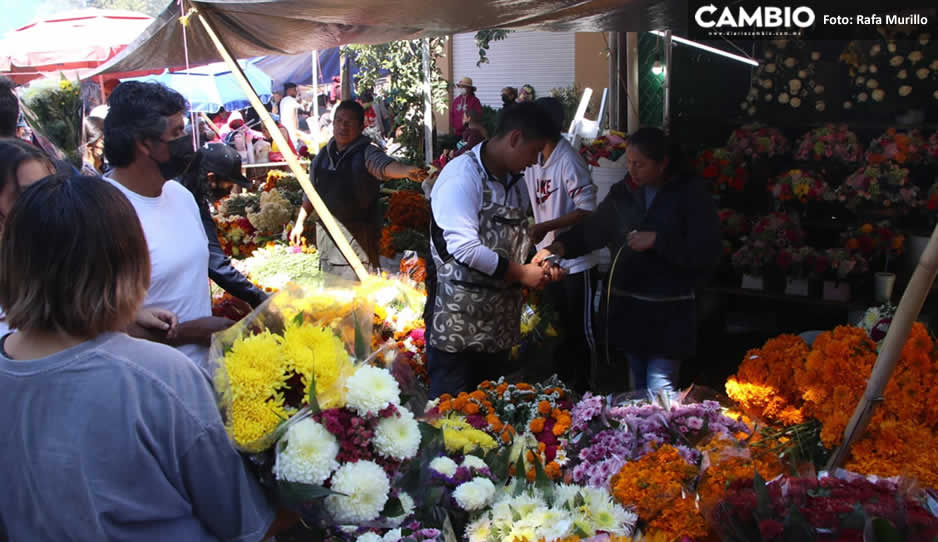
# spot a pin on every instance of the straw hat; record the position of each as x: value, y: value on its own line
x: 466, y: 82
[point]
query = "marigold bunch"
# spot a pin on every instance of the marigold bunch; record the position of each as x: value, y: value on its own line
x: 408, y: 209
x: 764, y: 384
x: 653, y: 482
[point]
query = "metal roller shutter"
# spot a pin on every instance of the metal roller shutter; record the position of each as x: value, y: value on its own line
x: 545, y: 60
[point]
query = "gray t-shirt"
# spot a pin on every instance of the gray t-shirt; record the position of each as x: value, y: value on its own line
x: 120, y: 439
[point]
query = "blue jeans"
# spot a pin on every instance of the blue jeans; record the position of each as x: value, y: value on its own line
x: 654, y: 373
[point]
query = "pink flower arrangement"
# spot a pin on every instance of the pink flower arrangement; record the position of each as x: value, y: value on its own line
x: 901, y: 147
x: 758, y: 141
x: 778, y: 230
x: 884, y: 186
x: 754, y: 257
x: 798, y: 185
x: 840, y: 264
x: 798, y: 262
x: 830, y: 142
x: 733, y: 224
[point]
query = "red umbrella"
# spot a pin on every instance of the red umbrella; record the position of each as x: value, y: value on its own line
x: 72, y: 42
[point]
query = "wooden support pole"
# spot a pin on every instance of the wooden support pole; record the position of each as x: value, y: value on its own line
x: 908, y: 310
x: 324, y: 215
x: 427, y: 103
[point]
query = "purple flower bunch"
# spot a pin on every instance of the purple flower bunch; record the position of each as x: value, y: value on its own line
x: 631, y: 431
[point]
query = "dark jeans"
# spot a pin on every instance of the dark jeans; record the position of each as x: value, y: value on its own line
x: 572, y: 298
x: 462, y: 371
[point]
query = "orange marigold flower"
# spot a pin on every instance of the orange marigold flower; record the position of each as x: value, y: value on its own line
x: 446, y: 397
x: 524, y: 386
x: 506, y: 436
x: 529, y: 456
x: 500, y: 389
x: 553, y: 470
x: 541, y: 447
x: 477, y: 395
x: 536, y: 425
x: 445, y: 406
x: 531, y: 475
x: 494, y: 422
x: 459, y: 403
x: 471, y: 408
x: 543, y: 408
x: 486, y: 385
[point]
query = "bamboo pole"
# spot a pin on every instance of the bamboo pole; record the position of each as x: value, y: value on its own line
x: 324, y: 215
x: 908, y: 310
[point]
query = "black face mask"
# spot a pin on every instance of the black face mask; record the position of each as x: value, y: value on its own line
x: 507, y: 100
x: 181, y: 157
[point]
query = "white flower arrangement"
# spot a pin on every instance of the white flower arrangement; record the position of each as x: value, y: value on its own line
x: 308, y: 454
x: 819, y: 105
x: 794, y: 85
x: 819, y: 89
x: 364, y: 487
x: 896, y: 61
x: 872, y: 83
x: 815, y: 55
x: 891, y: 47
x: 902, y: 74
x: 875, y: 50
x: 771, y: 67
x: 922, y: 73
x: 878, y: 95
x: 796, y: 102
x: 398, y: 437
x: 915, y: 57
x: 444, y: 465
x: 905, y: 90
x: 924, y: 38
x: 393, y: 535
x: 407, y: 503
x: 474, y: 462
x: 790, y: 62
x: 783, y: 98
x: 474, y: 495
x: 371, y: 390
x: 848, y: 105
x: 369, y: 537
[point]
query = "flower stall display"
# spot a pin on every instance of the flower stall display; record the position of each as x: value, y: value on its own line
x: 725, y: 171
x: 778, y: 229
x: 931, y: 149
x: 607, y: 151
x: 877, y: 242
x: 900, y: 147
x: 876, y: 321
x: 831, y: 506
x: 830, y: 142
x: 754, y: 258
x: 734, y: 225
x: 799, y: 187
x: 328, y: 431
x: 398, y: 319
x: 784, y: 384
x: 408, y: 224
x: 758, y: 141
x: 276, y: 265
x: 787, y: 81
x: 878, y: 187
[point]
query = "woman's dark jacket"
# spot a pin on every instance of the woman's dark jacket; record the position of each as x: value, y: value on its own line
x: 652, y: 311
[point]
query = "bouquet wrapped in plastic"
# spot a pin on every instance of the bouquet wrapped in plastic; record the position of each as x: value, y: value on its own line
x: 327, y: 430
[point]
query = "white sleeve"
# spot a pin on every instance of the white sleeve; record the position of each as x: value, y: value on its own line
x: 579, y: 183
x: 455, y: 201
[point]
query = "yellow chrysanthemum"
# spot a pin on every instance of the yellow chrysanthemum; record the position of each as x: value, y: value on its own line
x: 314, y: 350
x: 460, y: 436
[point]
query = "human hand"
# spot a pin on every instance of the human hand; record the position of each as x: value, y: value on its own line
x: 556, y: 273
x: 200, y: 330
x: 534, y: 276
x: 296, y: 234
x: 541, y: 255
x: 416, y: 174
x: 640, y: 241
x: 159, y: 320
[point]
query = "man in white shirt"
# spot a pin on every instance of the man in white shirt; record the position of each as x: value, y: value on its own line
x: 562, y: 193
x: 288, y: 111
x: 146, y: 144
x: 479, y: 240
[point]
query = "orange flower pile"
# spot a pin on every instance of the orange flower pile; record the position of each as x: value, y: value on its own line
x: 654, y: 485
x: 552, y: 469
x: 562, y: 419
x: 386, y: 244
x: 477, y: 404
x: 764, y: 385
x: 408, y: 209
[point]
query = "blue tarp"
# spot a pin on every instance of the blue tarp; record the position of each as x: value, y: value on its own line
x: 299, y: 68
x: 212, y: 87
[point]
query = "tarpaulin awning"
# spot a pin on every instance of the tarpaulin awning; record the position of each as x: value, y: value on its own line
x: 251, y: 28
x: 299, y: 68
x: 212, y: 87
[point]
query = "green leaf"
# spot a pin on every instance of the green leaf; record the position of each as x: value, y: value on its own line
x: 541, y: 481
x: 361, y: 347
x: 313, y: 402
x: 298, y: 319
x: 763, y: 501
x: 295, y: 493
x: 393, y: 508
x: 520, y: 474
x: 884, y: 531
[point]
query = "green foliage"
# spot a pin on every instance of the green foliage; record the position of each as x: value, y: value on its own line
x: 569, y: 97
x: 54, y: 109
x: 403, y: 61
x: 484, y: 38
x: 489, y: 119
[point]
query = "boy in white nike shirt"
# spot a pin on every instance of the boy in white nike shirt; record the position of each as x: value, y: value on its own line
x: 562, y: 193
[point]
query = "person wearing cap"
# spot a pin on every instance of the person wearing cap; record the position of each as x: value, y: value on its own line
x: 562, y: 194
x: 465, y: 102
x: 288, y: 111
x: 216, y: 169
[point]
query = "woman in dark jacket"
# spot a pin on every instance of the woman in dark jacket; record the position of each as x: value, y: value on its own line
x: 663, y: 232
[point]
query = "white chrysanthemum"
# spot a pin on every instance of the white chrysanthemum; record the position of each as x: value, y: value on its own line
x: 872, y: 83
x: 525, y: 504
x: 874, y: 68
x: 393, y: 535
x: 815, y: 55
x: 397, y: 437
x: 803, y: 74
x: 369, y: 537
x: 553, y: 523
x: 407, y: 503
x: 744, y: 106
x: 474, y: 495
x: 444, y: 466
x: 783, y: 98
x: 905, y: 90
x: 771, y: 67
x: 922, y: 73
x: 896, y: 61
x: 902, y: 74
x: 474, y: 462
x: 768, y: 97
x: 479, y: 530
x: 820, y: 105
x: 790, y: 62
x: 891, y: 47
x: 848, y: 105
x: 862, y: 68
x: 308, y: 455
x: 875, y: 50
x: 753, y: 93
x: 364, y: 486
x: 794, y: 85
x: 862, y: 97
x: 565, y: 494
x: 878, y: 95
x: 860, y: 81
x: 371, y: 390
x: 819, y: 89
x: 607, y: 515
x: 915, y: 56
x: 934, y: 65
x: 796, y: 102
x: 924, y: 38
x: 766, y: 83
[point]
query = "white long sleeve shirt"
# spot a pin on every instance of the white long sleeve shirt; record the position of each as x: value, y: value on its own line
x: 456, y: 200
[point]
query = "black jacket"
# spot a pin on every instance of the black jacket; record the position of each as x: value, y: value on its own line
x: 219, y: 265
x: 651, y: 311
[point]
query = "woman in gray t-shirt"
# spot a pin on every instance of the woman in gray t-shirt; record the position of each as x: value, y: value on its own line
x: 105, y: 437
